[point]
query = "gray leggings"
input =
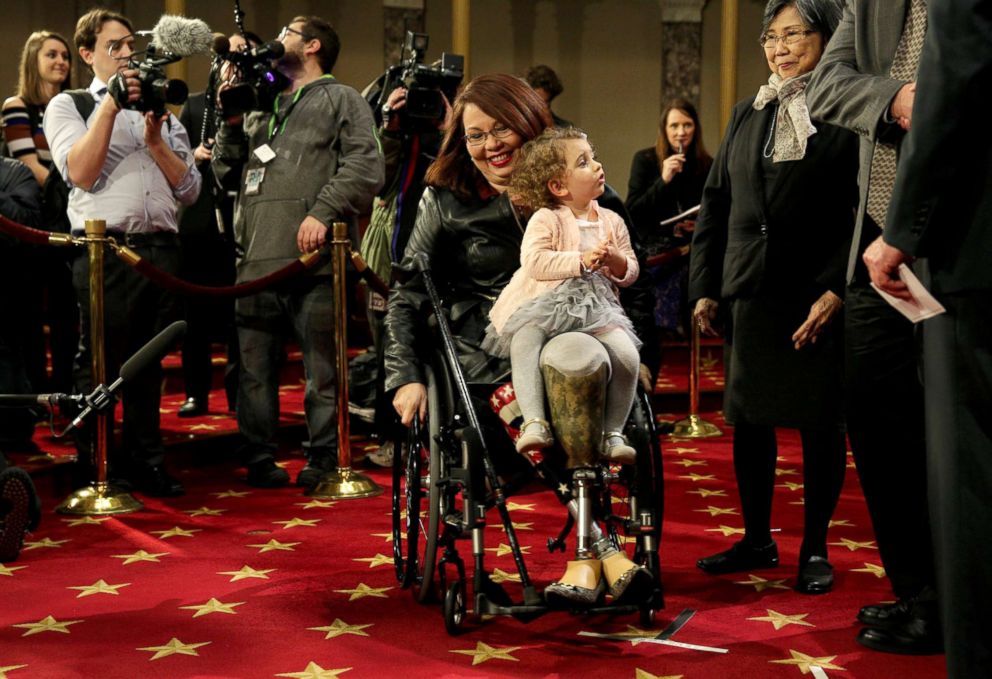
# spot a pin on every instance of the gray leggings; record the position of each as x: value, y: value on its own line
x: 525, y: 355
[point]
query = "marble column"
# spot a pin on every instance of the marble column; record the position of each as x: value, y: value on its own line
x: 681, y: 49
x: 398, y: 17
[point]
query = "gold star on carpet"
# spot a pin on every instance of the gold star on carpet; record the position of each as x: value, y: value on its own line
x: 314, y: 671
x: 780, y: 620
x: 760, y: 584
x: 717, y: 511
x: 202, y: 427
x: 173, y: 647
x: 785, y: 472
x: 247, y: 572
x: 388, y: 537
x: 850, y: 465
x: 692, y: 463
x: 9, y: 570
x: 98, y: 587
x: 683, y: 451
x: 804, y: 662
x: 339, y: 627
x: 517, y: 526
x: 377, y: 560
x: 500, y: 575
x: 46, y: 624
x: 363, y: 590
x: 9, y: 668
x: 562, y: 489
x: 791, y: 485
x: 840, y: 522
x: 854, y: 545
x: 522, y: 507
x: 505, y: 549
x: 484, y: 652
x: 800, y: 501
x: 44, y: 542
x: 317, y: 504
x: 175, y: 531
x: 636, y: 635
x: 86, y: 521
x: 232, y: 493
x: 140, y: 555
x: 643, y: 674
x: 874, y: 569
x: 698, y: 477
x: 703, y: 492
x: 205, y: 511
x: 213, y: 606
x: 274, y: 546
x: 293, y: 523
x: 726, y: 530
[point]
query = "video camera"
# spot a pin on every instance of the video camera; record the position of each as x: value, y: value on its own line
x: 426, y: 86
x: 255, y: 82
x: 173, y: 38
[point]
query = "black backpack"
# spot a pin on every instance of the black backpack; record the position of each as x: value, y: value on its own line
x: 55, y: 192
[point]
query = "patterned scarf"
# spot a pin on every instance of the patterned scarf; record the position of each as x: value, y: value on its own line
x: 792, y: 124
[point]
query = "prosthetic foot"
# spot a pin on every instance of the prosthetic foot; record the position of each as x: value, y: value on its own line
x: 628, y: 583
x: 581, y: 585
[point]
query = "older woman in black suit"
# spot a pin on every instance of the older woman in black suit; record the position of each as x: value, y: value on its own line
x: 770, y: 246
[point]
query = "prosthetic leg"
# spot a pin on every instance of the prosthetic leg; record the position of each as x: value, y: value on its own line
x: 576, y: 370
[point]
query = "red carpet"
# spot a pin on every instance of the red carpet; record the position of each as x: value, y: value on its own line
x: 231, y: 581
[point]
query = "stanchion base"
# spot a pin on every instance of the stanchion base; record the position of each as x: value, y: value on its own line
x: 99, y: 499
x: 345, y: 484
x: 695, y: 427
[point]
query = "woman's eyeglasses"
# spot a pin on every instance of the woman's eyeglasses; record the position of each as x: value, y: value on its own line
x: 478, y: 138
x: 787, y: 38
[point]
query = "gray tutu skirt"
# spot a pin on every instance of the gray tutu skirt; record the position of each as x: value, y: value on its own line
x: 583, y: 304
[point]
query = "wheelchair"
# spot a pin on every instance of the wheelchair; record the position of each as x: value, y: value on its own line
x: 445, y: 484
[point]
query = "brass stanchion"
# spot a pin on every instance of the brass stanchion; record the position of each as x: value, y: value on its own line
x: 99, y: 497
x: 343, y: 483
x: 694, y: 427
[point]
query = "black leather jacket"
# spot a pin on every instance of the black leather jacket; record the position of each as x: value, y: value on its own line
x: 473, y: 247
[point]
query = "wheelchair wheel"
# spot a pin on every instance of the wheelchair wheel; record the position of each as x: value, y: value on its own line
x: 454, y: 607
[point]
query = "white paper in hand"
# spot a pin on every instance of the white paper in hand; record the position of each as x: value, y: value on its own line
x: 921, y: 307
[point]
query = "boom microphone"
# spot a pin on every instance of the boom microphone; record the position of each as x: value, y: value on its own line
x: 181, y: 36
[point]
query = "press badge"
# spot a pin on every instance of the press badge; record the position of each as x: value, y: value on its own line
x: 265, y: 153
x: 253, y: 181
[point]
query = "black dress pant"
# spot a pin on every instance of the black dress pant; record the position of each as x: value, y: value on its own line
x: 958, y: 377
x: 887, y: 434
x: 135, y: 310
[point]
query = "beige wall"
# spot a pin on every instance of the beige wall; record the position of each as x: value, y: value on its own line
x: 606, y: 51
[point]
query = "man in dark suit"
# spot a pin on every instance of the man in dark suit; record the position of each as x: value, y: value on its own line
x: 866, y: 83
x: 942, y: 210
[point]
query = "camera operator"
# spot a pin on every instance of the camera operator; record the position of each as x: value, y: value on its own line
x: 129, y: 168
x: 310, y: 159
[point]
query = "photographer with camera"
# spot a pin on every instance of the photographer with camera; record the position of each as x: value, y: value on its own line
x: 130, y: 168
x: 310, y: 158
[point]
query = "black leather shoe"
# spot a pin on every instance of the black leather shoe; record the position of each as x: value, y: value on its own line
x: 740, y: 557
x: 310, y: 475
x: 193, y: 407
x: 884, y: 616
x: 914, y: 636
x: 266, y: 474
x: 19, y: 511
x: 155, y: 481
x: 816, y: 576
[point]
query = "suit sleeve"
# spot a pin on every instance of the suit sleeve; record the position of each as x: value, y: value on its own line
x: 649, y: 198
x: 840, y: 94
x: 955, y: 73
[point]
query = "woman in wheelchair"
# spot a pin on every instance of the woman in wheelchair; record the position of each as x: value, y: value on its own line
x: 573, y: 255
x: 469, y: 233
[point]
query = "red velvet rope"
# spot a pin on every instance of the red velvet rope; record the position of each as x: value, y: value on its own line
x: 175, y: 284
x: 24, y: 233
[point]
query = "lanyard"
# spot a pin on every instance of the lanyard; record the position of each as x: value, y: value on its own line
x: 275, y: 121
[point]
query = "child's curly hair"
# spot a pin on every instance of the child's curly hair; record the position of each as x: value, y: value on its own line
x: 541, y: 160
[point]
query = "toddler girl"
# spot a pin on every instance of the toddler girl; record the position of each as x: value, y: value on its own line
x: 574, y: 254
